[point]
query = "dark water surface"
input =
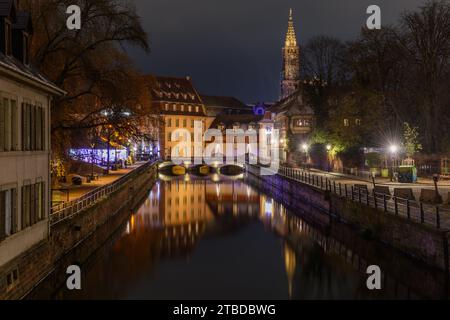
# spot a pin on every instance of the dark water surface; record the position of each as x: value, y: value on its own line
x: 199, y: 239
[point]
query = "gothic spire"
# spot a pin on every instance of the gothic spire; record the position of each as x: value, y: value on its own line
x: 291, y: 40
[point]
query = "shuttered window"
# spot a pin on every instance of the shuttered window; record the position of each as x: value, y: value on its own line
x: 8, y: 124
x: 33, y: 204
x: 8, y: 212
x: 33, y: 127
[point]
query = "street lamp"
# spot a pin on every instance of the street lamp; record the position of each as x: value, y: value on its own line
x: 393, y: 149
x: 329, y: 147
x: 305, y: 149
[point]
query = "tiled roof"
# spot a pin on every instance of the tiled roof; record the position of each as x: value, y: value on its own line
x: 171, y: 89
x: 12, y: 64
x: 225, y: 102
x: 229, y: 120
x: 293, y: 104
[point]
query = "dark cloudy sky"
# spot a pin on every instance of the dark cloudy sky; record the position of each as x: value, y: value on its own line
x: 233, y: 47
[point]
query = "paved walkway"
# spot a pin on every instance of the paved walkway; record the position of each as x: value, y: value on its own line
x: 423, y: 183
x: 78, y: 191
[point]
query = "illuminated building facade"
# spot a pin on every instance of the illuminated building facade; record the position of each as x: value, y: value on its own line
x: 179, y: 106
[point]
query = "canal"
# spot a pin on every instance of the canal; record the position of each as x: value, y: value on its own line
x: 219, y: 238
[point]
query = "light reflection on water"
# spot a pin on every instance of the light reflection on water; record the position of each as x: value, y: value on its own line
x: 199, y: 239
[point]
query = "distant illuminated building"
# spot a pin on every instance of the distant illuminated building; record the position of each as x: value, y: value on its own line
x: 290, y: 81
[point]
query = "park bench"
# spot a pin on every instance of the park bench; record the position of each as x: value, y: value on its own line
x: 430, y: 196
x: 404, y: 193
x: 382, y: 192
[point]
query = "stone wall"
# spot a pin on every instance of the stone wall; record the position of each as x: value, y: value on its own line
x: 420, y: 241
x: 39, y: 262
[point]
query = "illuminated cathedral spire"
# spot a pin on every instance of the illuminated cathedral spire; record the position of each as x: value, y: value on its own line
x: 291, y: 66
x: 291, y: 39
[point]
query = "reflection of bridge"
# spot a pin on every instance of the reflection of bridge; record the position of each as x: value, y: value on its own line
x: 216, y: 165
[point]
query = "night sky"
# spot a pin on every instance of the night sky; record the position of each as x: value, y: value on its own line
x: 233, y: 47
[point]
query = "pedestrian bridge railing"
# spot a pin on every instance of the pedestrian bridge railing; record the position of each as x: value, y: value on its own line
x: 429, y: 214
x: 69, y: 209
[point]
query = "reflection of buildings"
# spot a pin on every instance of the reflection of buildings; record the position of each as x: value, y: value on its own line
x: 178, y: 208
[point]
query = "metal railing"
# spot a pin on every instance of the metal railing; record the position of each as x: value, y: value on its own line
x: 71, y: 208
x: 416, y: 211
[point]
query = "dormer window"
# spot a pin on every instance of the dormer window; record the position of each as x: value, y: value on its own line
x: 26, y: 59
x: 8, y: 36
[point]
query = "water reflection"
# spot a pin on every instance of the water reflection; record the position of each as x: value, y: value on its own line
x: 200, y: 239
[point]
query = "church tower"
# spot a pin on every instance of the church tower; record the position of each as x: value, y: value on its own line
x: 291, y: 62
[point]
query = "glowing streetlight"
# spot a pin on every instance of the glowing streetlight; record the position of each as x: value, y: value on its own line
x: 305, y: 147
x: 328, y: 147
x: 393, y: 149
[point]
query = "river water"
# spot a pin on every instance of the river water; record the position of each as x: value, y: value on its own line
x: 222, y: 239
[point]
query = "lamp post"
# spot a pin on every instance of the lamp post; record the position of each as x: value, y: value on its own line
x: 329, y: 147
x: 305, y: 149
x: 393, y: 149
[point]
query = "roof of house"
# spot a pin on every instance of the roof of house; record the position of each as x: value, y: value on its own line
x: 172, y: 90
x: 292, y: 105
x: 17, y: 69
x: 224, y: 102
x: 229, y: 120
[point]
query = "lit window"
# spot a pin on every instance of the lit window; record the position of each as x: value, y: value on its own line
x: 182, y: 108
x: 197, y: 109
x: 174, y: 107
x: 190, y: 108
x: 166, y: 107
x: 303, y: 123
x: 358, y: 121
x: 346, y: 124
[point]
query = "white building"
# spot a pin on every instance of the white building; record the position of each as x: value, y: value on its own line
x: 25, y: 99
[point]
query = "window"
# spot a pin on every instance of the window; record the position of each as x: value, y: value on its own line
x: 177, y: 123
x: 302, y: 123
x: 182, y: 108
x: 33, y: 127
x: 174, y: 107
x: 8, y: 124
x: 169, y: 136
x: 33, y: 204
x: 8, y: 212
x: 166, y: 106
x: 8, y: 44
x: 184, y: 123
x: 197, y: 109
x: 358, y: 121
x: 25, y: 49
x: 169, y: 122
x: 346, y: 124
x: 190, y: 108
x: 192, y: 123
